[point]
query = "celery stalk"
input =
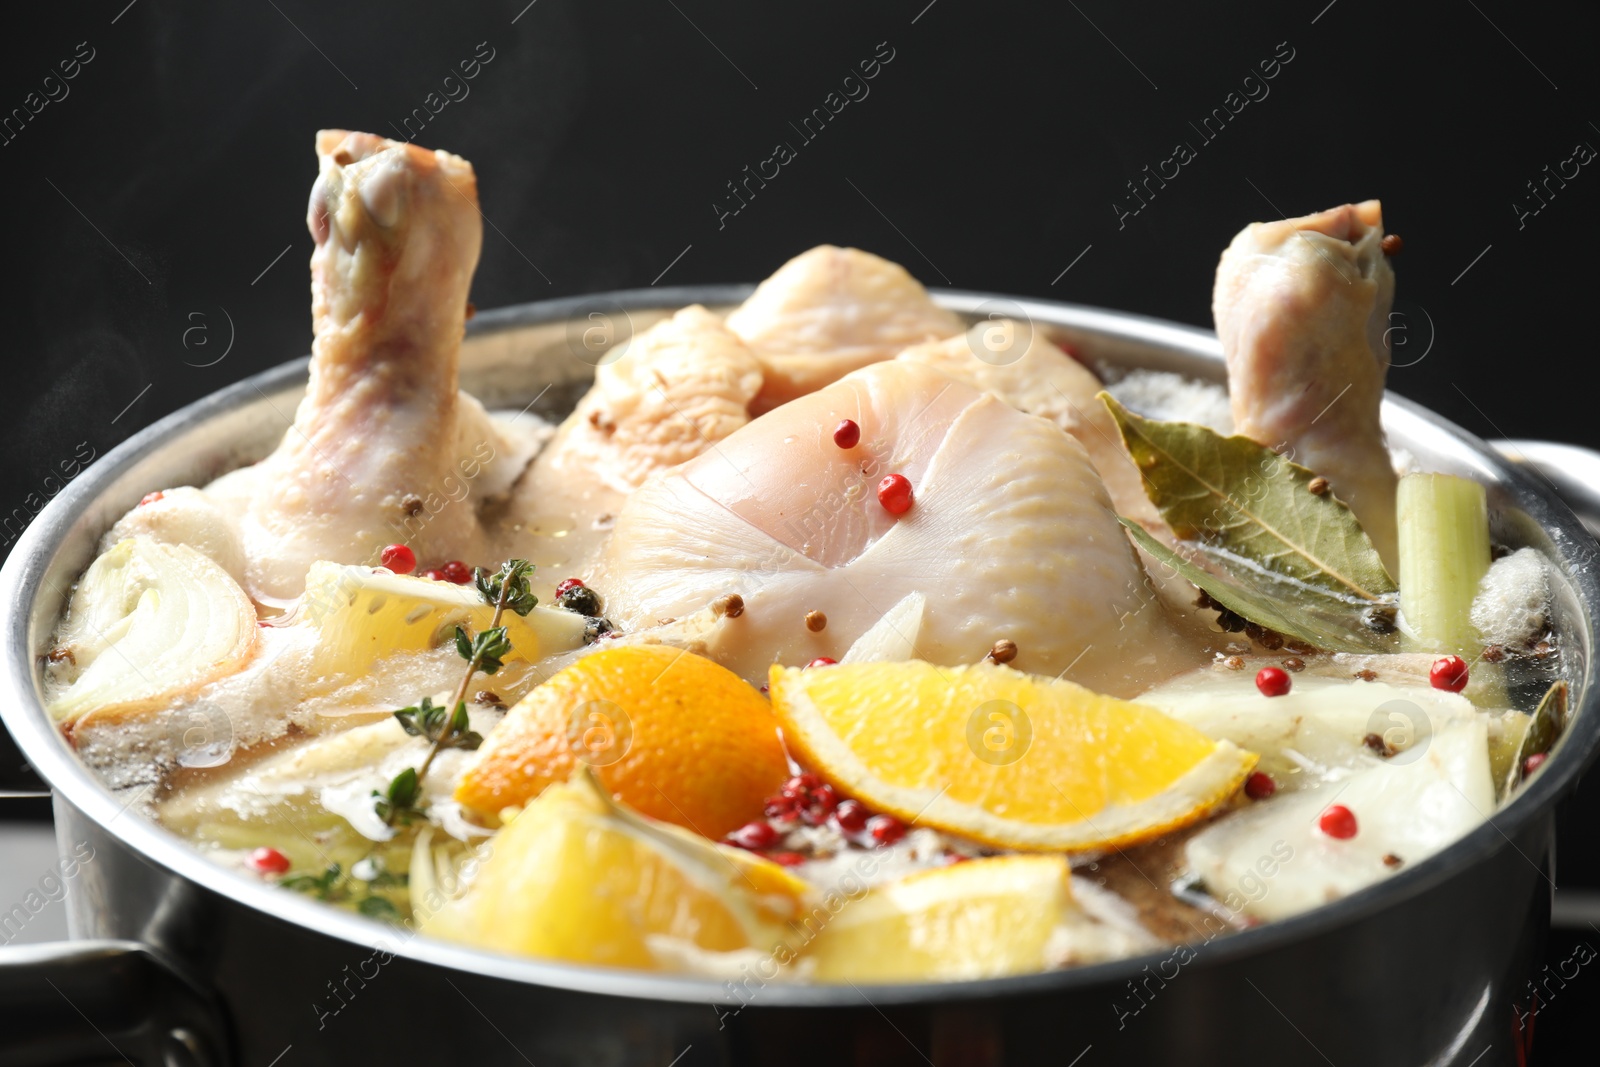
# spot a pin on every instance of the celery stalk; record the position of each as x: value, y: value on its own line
x: 1444, y: 553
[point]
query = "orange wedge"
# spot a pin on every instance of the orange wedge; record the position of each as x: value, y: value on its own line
x: 1006, y: 758
x: 671, y: 734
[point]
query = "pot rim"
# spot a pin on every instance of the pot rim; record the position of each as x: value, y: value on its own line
x: 23, y: 576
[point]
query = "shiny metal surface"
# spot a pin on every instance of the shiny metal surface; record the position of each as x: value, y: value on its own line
x: 1423, y: 968
x: 1570, y: 471
x: 142, y: 1006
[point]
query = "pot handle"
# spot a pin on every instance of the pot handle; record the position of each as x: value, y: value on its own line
x: 104, y: 1001
x: 1572, y: 470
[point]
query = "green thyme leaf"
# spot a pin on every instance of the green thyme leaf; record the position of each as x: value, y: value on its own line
x: 511, y: 582
x: 432, y: 718
x: 489, y: 647
x: 463, y: 644
x: 423, y: 720
x: 399, y: 801
x: 403, y: 790
x: 1266, y: 599
x: 378, y: 908
x: 321, y: 885
x: 1235, y: 496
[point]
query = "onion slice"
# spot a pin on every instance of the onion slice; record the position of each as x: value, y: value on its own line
x: 148, y: 625
x: 893, y: 638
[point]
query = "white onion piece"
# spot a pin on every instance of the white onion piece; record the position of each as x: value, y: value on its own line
x: 893, y: 638
x: 1270, y: 860
x: 149, y: 624
x: 1315, y: 733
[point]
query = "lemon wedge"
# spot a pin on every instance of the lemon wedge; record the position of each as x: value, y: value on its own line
x: 980, y: 919
x: 1006, y: 758
x: 576, y: 877
x: 366, y: 613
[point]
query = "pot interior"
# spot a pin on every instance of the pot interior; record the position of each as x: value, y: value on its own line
x: 541, y: 357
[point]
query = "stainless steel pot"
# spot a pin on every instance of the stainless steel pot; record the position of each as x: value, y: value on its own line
x: 178, y: 961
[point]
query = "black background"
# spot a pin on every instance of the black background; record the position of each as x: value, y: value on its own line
x: 146, y: 210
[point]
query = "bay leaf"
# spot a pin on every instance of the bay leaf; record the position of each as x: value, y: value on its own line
x: 1234, y: 495
x: 1267, y: 599
x: 1543, y: 729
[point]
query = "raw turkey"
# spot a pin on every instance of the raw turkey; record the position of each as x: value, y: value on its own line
x: 383, y: 435
x: 829, y: 311
x: 1010, y: 535
x: 1302, y: 308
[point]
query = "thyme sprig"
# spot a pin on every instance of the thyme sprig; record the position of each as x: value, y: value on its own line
x: 337, y: 885
x: 508, y: 590
x: 428, y: 720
